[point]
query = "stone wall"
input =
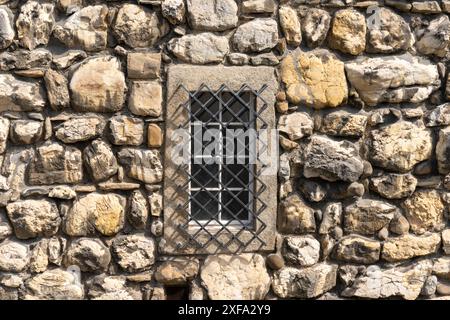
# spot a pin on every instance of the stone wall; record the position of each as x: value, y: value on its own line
x: 365, y: 140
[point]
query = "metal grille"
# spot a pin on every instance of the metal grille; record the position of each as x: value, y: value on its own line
x: 233, y: 190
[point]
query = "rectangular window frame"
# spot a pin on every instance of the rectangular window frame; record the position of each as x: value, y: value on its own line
x: 180, y: 80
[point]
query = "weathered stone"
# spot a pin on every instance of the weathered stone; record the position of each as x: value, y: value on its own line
x: 315, y: 26
x: 295, y: 216
x: 445, y: 241
x: 14, y: 168
x: 80, y: 128
x: 399, y: 225
x: 143, y: 165
x: 348, y: 32
x: 39, y: 257
x: 290, y: 24
x: 342, y: 123
x: 400, y: 146
x: 393, y: 79
x: 367, y: 216
x: 68, y: 58
x: 394, y: 186
x: 177, y: 272
x: 102, y: 212
x: 18, y: 95
x: 441, y: 267
x: 332, y: 160
x: 376, y: 283
x: 143, y: 65
x: 390, y: 33
x: 89, y: 255
x: 14, y: 256
x: 146, y: 98
x: 258, y: 6
x: 331, y: 218
x: 424, y: 211
x: 429, y: 287
x: 25, y: 131
x: 435, y: 38
x: 296, y: 125
x: 56, y: 248
x: 138, y: 27
x: 5, y: 228
x: 4, y: 131
x: 212, y: 16
x: 154, y: 136
x: 426, y: 7
x: 35, y: 24
x: 439, y: 116
x: 301, y: 250
x: 100, y: 160
x: 229, y: 277
x: 7, y: 33
x: 200, y: 48
x: 34, y: 218
x: 69, y: 6
x: 304, y: 283
x: 315, y: 78
x: 98, y: 85
x: 138, y: 210
x: 257, y: 35
x: 134, y: 253
x: 62, y: 192
x: 358, y: 249
x: 173, y: 10
x: 410, y: 246
x: 55, y: 163
x: 22, y: 59
x: 126, y: 130
x: 56, y: 284
x: 86, y: 29
x: 57, y: 90
x: 442, y: 151
x: 104, y: 287
x: 156, y: 203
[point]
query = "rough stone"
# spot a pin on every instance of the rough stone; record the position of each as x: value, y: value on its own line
x: 39, y: 257
x: 126, y: 130
x: 89, y: 255
x: 445, y: 241
x: 35, y: 24
x: 342, y: 123
x: 439, y: 116
x: 143, y: 165
x: 399, y: 225
x: 367, y: 216
x: 138, y: 210
x: 104, y: 287
x: 200, y: 48
x: 290, y: 24
x: 143, y: 65
x: 390, y: 33
x: 212, y: 16
x: 258, y: 6
x: 399, y: 146
x: 4, y: 132
x: 435, y: 38
x: 134, y: 252
x: 441, y: 267
x: 331, y: 218
x: 138, y: 27
x: 309, y: 282
x: 257, y: 35
x: 57, y: 90
x: 68, y: 58
x: 301, y: 250
x: 69, y: 6
x: 410, y: 246
x: 154, y: 136
x: 34, y: 218
x: 230, y: 277
x: 56, y: 284
x: 348, y: 32
x: 429, y: 288
x: 80, y: 128
x: 100, y: 160
x: 25, y: 131
x: 55, y: 163
x: 394, y: 186
x: 358, y: 249
x: 177, y: 272
x: 18, y: 95
x: 404, y: 281
x: 296, y: 125
x: 86, y: 29
x: 315, y: 78
x: 442, y: 151
x: 62, y: 192
x: 7, y: 33
x: 146, y: 98
x: 393, y: 79
x: 5, y: 228
x: 173, y: 10
x: 102, y: 212
x: 332, y: 160
x: 315, y: 26
x: 98, y: 85
x: 424, y: 211
x: 14, y: 256
x: 295, y: 216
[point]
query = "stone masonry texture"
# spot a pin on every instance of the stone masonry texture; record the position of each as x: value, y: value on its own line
x: 363, y: 112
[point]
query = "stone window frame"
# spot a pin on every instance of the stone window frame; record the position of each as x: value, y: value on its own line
x: 192, y: 77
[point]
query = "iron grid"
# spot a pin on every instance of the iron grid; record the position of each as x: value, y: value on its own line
x: 224, y: 233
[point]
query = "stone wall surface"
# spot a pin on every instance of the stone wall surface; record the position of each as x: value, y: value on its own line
x: 364, y: 120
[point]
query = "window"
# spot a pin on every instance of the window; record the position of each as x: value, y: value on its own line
x: 219, y: 200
